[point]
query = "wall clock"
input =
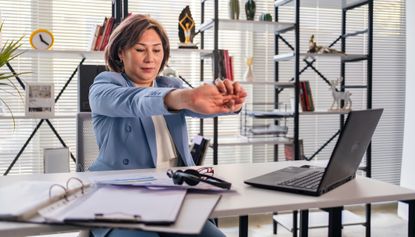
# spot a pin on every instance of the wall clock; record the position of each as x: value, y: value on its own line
x: 41, y: 39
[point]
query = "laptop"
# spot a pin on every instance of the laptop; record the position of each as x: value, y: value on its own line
x: 343, y: 164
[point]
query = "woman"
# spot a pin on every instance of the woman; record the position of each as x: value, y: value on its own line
x: 139, y: 117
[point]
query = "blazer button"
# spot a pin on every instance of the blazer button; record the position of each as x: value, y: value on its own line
x: 128, y: 128
x: 125, y: 161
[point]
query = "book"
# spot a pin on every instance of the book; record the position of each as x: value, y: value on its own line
x: 309, y: 96
x: 100, y: 35
x: 302, y: 98
x: 289, y: 150
x: 223, y: 63
x: 94, y: 37
x: 107, y: 32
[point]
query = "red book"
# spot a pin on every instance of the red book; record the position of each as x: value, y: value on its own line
x: 309, y: 96
x: 227, y: 64
x: 101, y: 36
x: 231, y: 67
x: 306, y: 98
x: 303, y: 95
x: 107, y: 32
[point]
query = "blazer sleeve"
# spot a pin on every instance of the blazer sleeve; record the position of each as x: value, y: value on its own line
x: 111, y: 96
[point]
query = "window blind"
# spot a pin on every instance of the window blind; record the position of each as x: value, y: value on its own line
x: 73, y: 22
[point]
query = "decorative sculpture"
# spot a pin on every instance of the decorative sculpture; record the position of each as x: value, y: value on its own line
x: 339, y: 96
x: 265, y: 17
x: 314, y: 48
x: 250, y: 8
x: 249, y: 74
x: 234, y: 9
x: 186, y: 29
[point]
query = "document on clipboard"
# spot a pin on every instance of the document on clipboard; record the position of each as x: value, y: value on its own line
x: 152, y: 181
x: 112, y: 204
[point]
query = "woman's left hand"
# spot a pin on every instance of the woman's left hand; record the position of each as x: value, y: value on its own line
x: 234, y: 89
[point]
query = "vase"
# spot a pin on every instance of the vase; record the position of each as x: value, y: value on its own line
x: 250, y: 8
x: 249, y: 74
x: 234, y: 9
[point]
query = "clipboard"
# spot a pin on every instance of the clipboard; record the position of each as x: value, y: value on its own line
x: 196, y: 210
x: 111, y: 204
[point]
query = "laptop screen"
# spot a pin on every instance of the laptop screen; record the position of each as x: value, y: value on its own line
x: 351, y: 146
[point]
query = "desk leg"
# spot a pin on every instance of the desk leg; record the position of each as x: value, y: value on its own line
x: 368, y: 219
x: 411, y: 218
x: 304, y: 223
x: 243, y: 226
x: 295, y: 223
x: 335, y: 221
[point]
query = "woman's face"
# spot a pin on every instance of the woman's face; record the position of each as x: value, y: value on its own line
x: 142, y: 61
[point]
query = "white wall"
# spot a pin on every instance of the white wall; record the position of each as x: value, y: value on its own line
x: 408, y: 155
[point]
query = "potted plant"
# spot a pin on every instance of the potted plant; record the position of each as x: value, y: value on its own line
x: 8, y: 53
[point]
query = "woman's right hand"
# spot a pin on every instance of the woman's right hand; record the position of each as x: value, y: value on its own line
x: 204, y: 99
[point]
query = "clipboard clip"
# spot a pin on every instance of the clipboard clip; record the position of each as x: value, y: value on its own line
x: 121, y: 216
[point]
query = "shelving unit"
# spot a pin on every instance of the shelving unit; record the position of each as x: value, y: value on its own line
x: 216, y: 24
x: 290, y: 220
x: 296, y: 55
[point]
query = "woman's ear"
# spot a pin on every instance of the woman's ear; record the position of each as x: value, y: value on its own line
x: 121, y: 55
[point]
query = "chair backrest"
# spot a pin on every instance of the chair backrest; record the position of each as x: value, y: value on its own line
x: 86, y: 145
x: 198, y: 149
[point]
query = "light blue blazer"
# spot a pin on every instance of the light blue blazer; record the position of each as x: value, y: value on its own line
x: 121, y: 116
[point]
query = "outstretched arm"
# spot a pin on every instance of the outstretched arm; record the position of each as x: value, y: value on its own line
x: 205, y: 99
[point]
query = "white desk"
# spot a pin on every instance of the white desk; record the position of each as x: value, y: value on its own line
x: 248, y: 200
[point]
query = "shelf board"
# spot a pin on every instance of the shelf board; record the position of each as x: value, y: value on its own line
x: 61, y: 53
x: 270, y: 114
x: 96, y: 54
x: 245, y: 25
x: 322, y: 112
x: 335, y: 4
x: 347, y: 57
x: 319, y: 219
x: 242, y: 140
x: 277, y: 84
x: 22, y: 116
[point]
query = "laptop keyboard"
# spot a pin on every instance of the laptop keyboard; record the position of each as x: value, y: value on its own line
x: 308, y: 181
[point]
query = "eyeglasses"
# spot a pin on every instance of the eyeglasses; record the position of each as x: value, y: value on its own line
x: 193, y: 177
